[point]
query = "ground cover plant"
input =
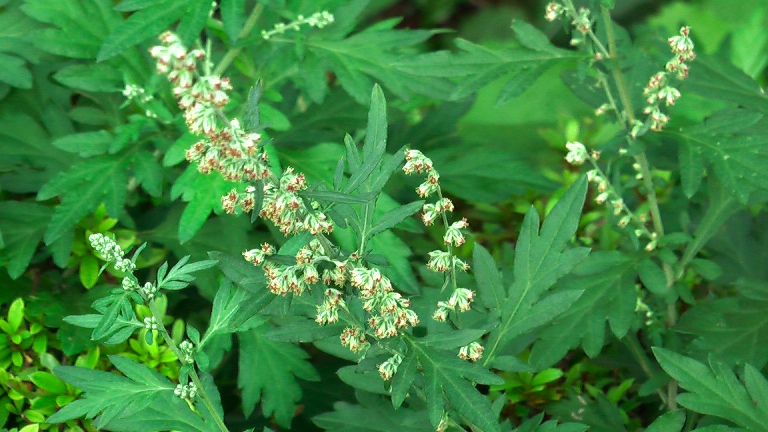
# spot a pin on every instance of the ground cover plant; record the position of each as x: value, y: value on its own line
x: 341, y: 215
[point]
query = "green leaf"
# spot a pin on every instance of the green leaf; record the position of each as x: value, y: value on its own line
x: 148, y: 172
x: 735, y: 146
x: 534, y: 425
x: 118, y: 315
x: 608, y: 283
x: 251, y: 118
x: 141, y: 394
x: 23, y: 225
x: 540, y: 260
x: 89, y: 271
x: 77, y: 32
x: 393, y: 217
x: 133, y: 5
x: 374, y: 414
x: 272, y: 380
x: 303, y: 331
x: 83, y: 188
x: 16, y: 315
x: 90, y: 77
x: 85, y: 144
x: 511, y: 364
x: 599, y: 416
x: 519, y: 83
x: 451, y: 340
x: 272, y: 118
x: 363, y: 173
x: 376, y: 131
x: 235, y: 310
x: 48, y: 382
x: 691, y: 168
x: 403, y: 379
x: 715, y: 390
x: 232, y: 18
x: 652, y: 276
x: 369, y: 381
x: 203, y: 194
x: 179, y: 277
x: 142, y: 25
x: 722, y: 206
x: 450, y: 379
x: 718, y: 79
x: 672, y: 421
x: 375, y: 55
x: 533, y: 38
x: 14, y: 72
x: 241, y: 272
x: 477, y: 65
x: 736, y: 330
x: 490, y: 287
x: 193, y: 22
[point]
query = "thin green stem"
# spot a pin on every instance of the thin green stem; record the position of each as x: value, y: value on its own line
x: 638, y: 352
x: 207, y: 401
x: 230, y: 56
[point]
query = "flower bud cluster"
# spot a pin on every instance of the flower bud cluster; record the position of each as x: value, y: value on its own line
x: 416, y: 162
x: 328, y: 310
x: 317, y: 19
x: 288, y: 211
x: 129, y: 284
x: 150, y: 323
x: 389, y: 311
x: 186, y: 391
x: 296, y: 278
x: 354, y: 338
x: 581, y: 19
x: 187, y: 350
x: 132, y: 91
x: 442, y: 261
x: 659, y: 88
x: 472, y: 352
x: 228, y: 149
x: 461, y: 298
x: 111, y: 252
x: 257, y: 256
x: 388, y: 369
x: 554, y: 11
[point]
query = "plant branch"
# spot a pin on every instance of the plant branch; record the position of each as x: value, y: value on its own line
x: 638, y: 352
x: 192, y: 373
x: 642, y: 161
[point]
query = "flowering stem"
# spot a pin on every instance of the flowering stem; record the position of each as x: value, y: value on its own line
x: 192, y: 373
x: 642, y: 161
x: 454, y: 285
x: 230, y: 56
